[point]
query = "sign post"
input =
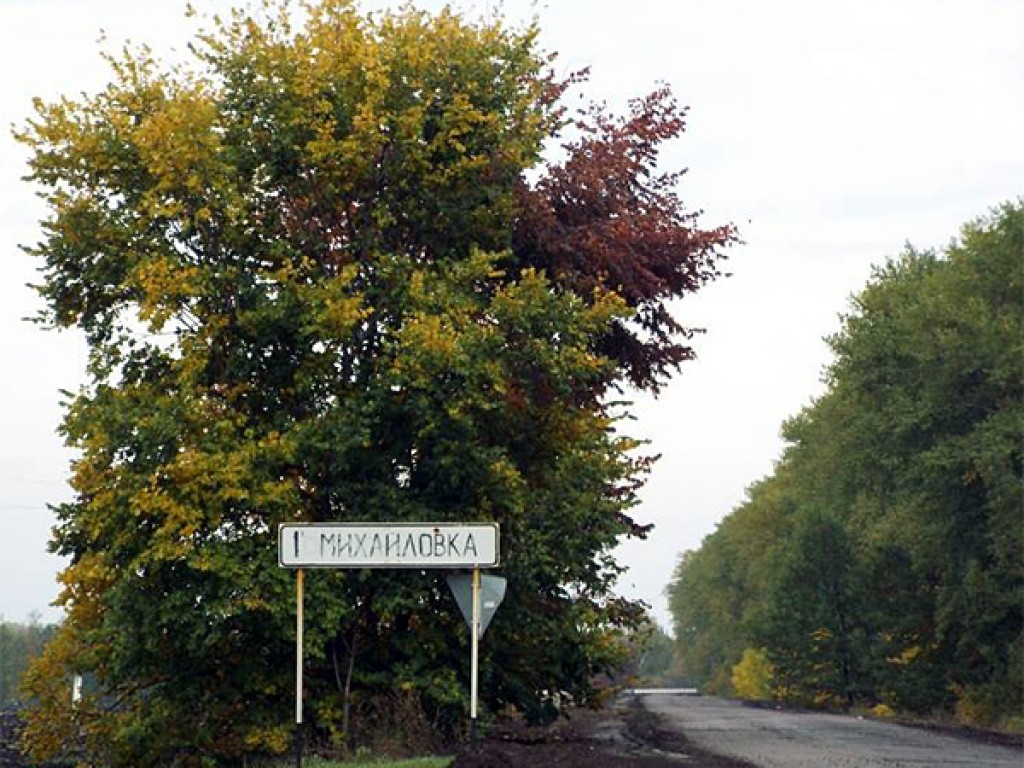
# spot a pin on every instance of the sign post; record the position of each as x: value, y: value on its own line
x: 478, y: 598
x: 393, y: 545
x: 474, y: 654
x: 299, y: 599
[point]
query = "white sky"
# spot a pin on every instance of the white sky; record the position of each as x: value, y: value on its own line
x: 829, y: 131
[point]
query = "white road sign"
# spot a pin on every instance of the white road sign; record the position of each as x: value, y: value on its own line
x: 387, y: 545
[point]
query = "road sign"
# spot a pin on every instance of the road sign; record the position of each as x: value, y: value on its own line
x: 492, y: 592
x: 388, y: 545
x: 478, y: 598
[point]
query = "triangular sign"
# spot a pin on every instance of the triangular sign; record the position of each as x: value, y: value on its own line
x: 492, y: 592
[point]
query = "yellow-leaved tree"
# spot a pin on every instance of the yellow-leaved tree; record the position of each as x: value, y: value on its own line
x: 325, y: 275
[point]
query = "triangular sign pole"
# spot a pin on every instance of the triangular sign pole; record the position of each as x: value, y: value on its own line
x: 474, y: 654
x: 478, y: 598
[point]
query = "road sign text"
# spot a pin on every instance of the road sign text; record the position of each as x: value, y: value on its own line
x: 381, y: 545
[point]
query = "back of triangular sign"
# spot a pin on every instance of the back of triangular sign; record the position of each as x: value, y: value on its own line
x: 492, y: 592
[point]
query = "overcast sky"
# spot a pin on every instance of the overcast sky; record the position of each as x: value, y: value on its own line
x: 829, y: 132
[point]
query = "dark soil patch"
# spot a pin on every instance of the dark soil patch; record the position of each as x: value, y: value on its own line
x: 625, y: 735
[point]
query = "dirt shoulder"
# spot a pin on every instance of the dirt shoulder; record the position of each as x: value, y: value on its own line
x: 624, y: 735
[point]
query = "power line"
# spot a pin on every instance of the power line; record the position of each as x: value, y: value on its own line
x: 35, y: 480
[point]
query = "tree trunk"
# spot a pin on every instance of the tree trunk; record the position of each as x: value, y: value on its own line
x: 345, y: 688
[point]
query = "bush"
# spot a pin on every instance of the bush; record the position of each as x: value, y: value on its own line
x: 395, y: 724
x: 752, y: 676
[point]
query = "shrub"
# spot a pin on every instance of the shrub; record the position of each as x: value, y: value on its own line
x: 752, y: 676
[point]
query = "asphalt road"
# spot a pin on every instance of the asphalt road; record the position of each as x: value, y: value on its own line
x: 773, y: 739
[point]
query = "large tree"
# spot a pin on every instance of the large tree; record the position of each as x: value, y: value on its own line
x: 324, y: 275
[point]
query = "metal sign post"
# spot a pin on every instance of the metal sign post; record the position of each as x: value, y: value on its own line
x: 474, y: 660
x: 299, y: 578
x: 478, y: 597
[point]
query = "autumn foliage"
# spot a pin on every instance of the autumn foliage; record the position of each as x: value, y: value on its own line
x: 605, y: 219
x: 325, y: 274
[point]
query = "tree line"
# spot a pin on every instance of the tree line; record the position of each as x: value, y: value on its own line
x: 19, y: 644
x: 882, y: 561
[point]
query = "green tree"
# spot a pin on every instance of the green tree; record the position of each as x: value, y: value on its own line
x: 655, y: 661
x: 648, y: 653
x: 717, y: 591
x: 19, y: 644
x: 808, y: 623
x: 930, y: 362
x: 317, y: 285
x: 894, y: 572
